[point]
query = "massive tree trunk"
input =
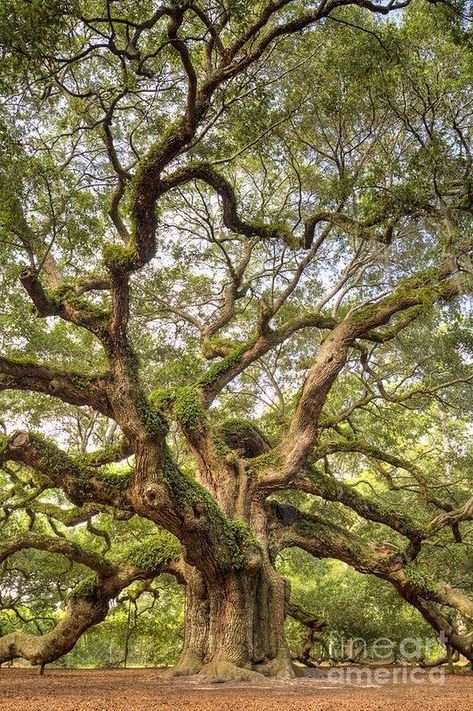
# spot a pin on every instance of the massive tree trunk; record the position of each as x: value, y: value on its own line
x: 235, y: 626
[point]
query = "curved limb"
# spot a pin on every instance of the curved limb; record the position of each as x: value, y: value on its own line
x: 89, y: 602
x: 322, y: 539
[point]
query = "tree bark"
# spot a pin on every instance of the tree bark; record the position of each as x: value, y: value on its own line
x: 234, y: 627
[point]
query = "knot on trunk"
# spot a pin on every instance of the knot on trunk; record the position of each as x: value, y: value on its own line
x: 19, y: 439
x: 153, y: 494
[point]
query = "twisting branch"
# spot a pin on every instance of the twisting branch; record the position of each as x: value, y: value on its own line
x: 206, y: 173
x: 69, y: 549
x: 181, y: 47
x: 313, y: 623
x: 79, y: 482
x: 328, y: 488
x: 148, y: 184
x: 88, y: 602
x: 65, y: 302
x: 445, y: 284
x: 292, y: 527
x: 463, y: 513
x: 67, y: 385
x: 239, y: 359
x: 399, y: 462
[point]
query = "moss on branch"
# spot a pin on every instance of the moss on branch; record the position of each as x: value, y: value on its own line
x: 90, y: 313
x: 184, y: 405
x: 200, y: 512
x: 154, y: 551
x: 118, y: 257
x: 188, y: 410
x: 217, y: 369
x: 85, y: 590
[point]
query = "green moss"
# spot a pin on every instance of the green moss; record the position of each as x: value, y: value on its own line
x: 152, y: 418
x: 4, y: 441
x: 114, y: 481
x: 268, y: 460
x: 245, y: 540
x: 275, y: 231
x: 107, y: 455
x: 184, y: 405
x: 364, y: 313
x: 118, y: 256
x: 66, y: 294
x: 188, y: 409
x: 193, y: 499
x: 56, y: 463
x: 147, y: 163
x: 85, y: 590
x: 223, y: 365
x: 419, y: 578
x: 86, y: 480
x: 59, y: 466
x: 221, y: 447
x: 76, y: 379
x: 235, y: 425
x: 217, y: 347
x: 155, y: 551
x: 162, y: 399
x: 423, y: 288
x: 22, y: 360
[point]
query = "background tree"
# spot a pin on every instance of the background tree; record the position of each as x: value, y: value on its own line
x: 245, y: 233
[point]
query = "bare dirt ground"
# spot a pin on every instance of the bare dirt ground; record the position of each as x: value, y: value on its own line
x: 146, y: 690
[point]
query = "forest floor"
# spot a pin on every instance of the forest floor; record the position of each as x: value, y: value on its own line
x: 146, y: 690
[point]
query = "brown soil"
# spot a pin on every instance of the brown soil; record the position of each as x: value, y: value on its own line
x: 145, y: 690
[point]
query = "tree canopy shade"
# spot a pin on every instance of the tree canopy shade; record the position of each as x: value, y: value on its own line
x: 236, y: 269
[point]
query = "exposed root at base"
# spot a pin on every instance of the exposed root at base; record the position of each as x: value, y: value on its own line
x: 187, y: 665
x: 278, y: 668
x: 218, y: 672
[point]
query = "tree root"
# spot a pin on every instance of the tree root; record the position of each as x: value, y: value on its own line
x: 278, y: 668
x: 187, y: 665
x: 219, y: 671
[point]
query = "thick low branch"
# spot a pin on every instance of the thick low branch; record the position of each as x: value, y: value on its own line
x: 69, y: 386
x: 40, y: 650
x: 69, y: 549
x: 88, y: 603
x: 160, y: 492
x: 308, y: 619
x: 292, y: 527
x: 78, y: 482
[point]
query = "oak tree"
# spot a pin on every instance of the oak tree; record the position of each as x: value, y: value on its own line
x: 236, y: 261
